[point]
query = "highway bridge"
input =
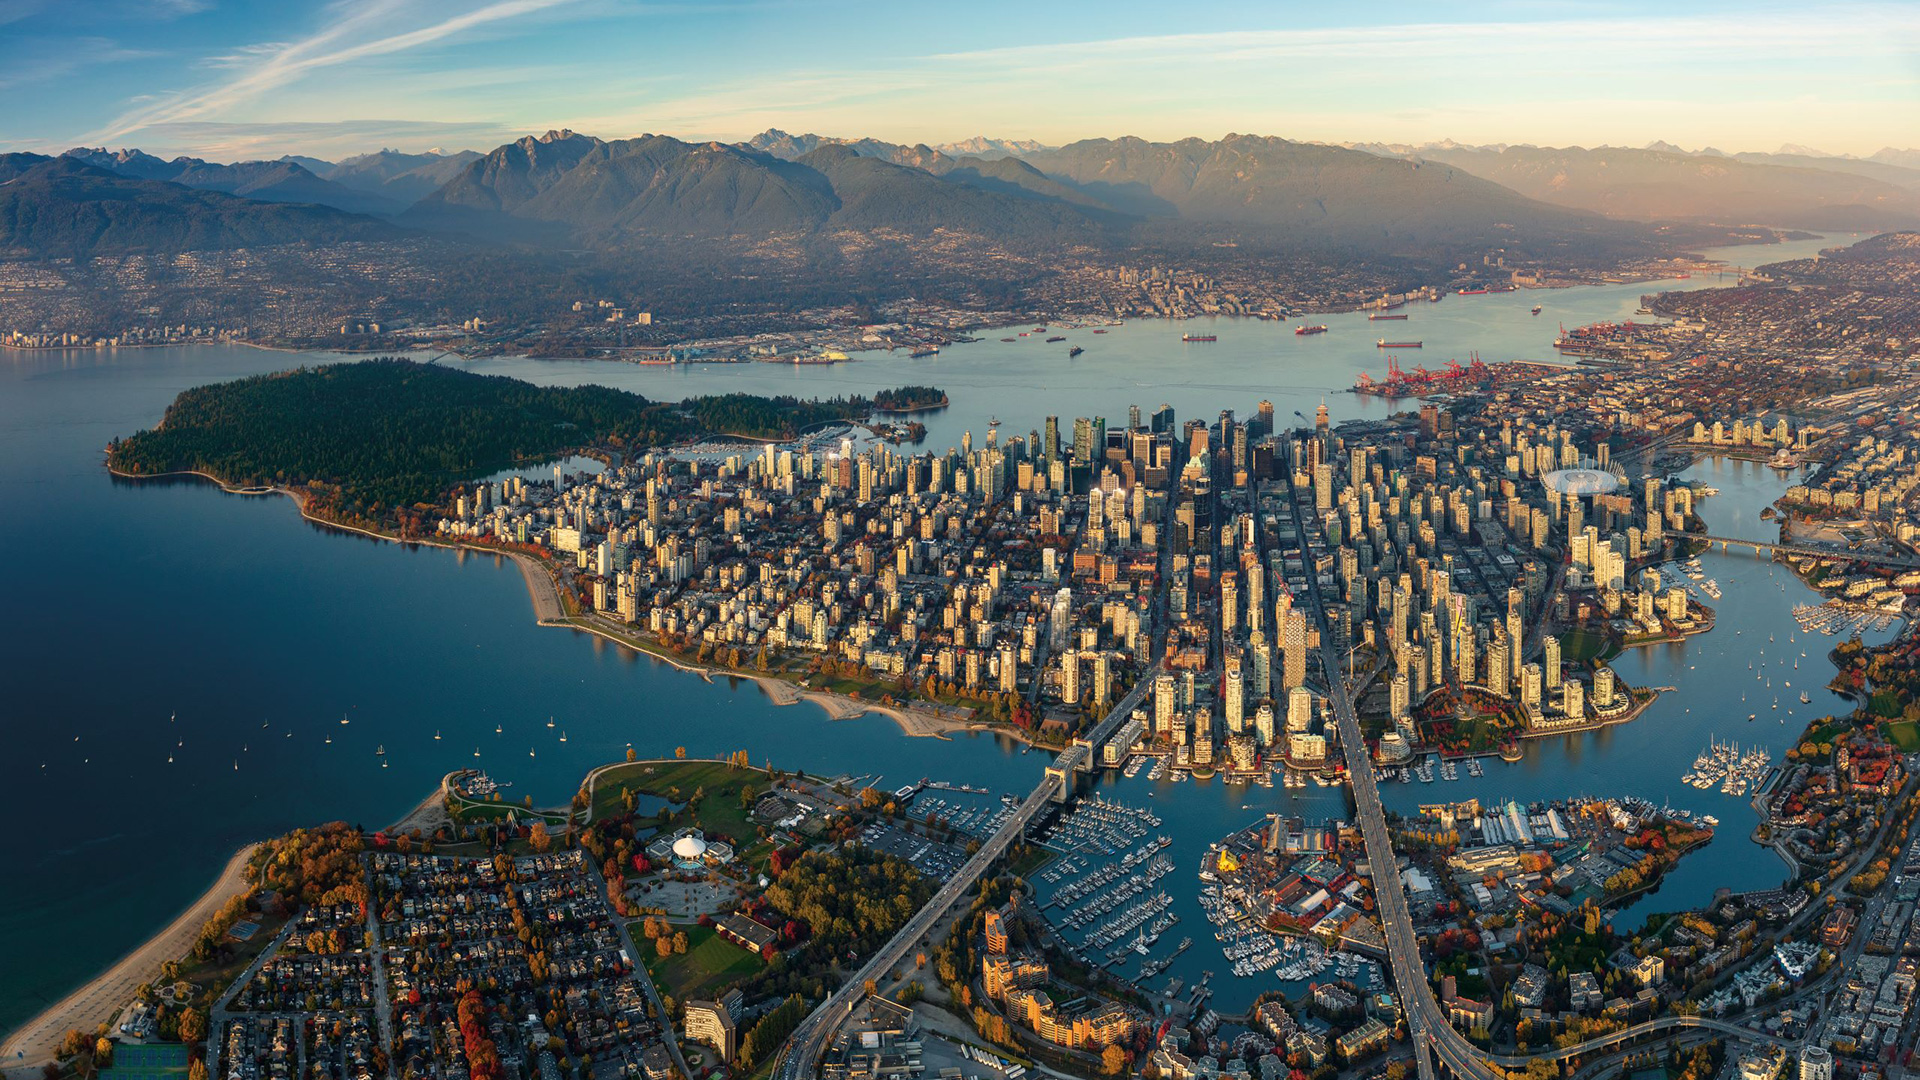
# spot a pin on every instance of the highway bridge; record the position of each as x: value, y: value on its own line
x: 1803, y: 551
x: 810, y: 1040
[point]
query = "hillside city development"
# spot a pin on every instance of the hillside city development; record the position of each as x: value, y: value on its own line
x: 1243, y: 599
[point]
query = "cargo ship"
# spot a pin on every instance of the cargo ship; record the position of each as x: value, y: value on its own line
x: 1385, y: 318
x: 1385, y: 344
x: 1473, y: 292
x: 1055, y: 338
x: 1321, y: 329
x: 924, y: 350
x: 1075, y: 351
x: 1199, y: 337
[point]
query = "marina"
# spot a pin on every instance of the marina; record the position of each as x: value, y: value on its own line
x: 1725, y: 765
x: 493, y: 666
x: 1844, y: 618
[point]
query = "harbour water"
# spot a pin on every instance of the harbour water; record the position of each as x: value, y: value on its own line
x: 163, y: 620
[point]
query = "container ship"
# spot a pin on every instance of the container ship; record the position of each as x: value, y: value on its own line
x: 1199, y: 337
x: 1385, y: 344
x: 1321, y: 329
x: 1385, y: 318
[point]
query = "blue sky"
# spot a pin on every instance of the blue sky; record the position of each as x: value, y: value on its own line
x: 230, y: 79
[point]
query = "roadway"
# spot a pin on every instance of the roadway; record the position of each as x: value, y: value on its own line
x: 809, y: 1042
x: 1814, y: 551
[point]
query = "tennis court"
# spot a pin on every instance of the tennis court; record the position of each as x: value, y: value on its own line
x: 166, y: 1061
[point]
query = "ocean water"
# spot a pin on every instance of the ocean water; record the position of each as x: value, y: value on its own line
x: 156, y: 620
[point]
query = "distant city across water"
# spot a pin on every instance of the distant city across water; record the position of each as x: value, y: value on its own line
x: 169, y: 620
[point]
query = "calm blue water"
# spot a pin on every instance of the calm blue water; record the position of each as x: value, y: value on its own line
x: 133, y: 603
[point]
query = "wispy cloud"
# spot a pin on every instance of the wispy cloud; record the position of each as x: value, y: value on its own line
x: 45, y: 61
x: 358, y: 31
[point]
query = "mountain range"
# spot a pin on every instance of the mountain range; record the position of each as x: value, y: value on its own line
x: 1663, y: 185
x: 266, y: 181
x: 569, y: 189
x: 64, y: 206
x: 400, y: 178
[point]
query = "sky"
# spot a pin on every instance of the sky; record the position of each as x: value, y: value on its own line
x: 235, y: 79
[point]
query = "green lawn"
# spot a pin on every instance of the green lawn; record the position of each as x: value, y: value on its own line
x: 719, y: 812
x: 464, y: 810
x: 1905, y: 735
x: 1579, y: 646
x: 710, y: 964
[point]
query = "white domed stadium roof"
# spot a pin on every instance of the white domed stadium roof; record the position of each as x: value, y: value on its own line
x: 1582, y: 481
x: 690, y: 848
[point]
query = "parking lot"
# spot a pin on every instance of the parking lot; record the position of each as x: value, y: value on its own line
x: 930, y: 857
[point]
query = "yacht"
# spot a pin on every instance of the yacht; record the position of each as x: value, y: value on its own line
x: 436, y: 735
x: 380, y: 751
x: 563, y: 736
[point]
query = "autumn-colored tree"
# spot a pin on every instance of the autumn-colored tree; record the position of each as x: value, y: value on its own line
x: 192, y: 1025
x: 679, y: 752
x: 1113, y: 1059
x: 539, y: 837
x: 680, y: 942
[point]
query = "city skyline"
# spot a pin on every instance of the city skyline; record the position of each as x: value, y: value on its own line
x: 231, y: 80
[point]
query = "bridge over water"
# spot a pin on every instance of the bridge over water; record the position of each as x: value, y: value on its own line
x: 1900, y: 560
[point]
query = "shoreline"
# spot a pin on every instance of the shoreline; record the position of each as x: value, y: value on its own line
x: 39, y: 1038
x: 100, y: 999
x: 548, y: 610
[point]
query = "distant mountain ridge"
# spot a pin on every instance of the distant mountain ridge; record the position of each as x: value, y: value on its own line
x: 1654, y: 185
x: 401, y: 178
x: 603, y: 192
x: 985, y: 148
x: 67, y: 206
x: 656, y: 184
x: 266, y: 181
x: 569, y: 189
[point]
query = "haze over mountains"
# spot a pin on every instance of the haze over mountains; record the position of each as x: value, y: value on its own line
x: 1664, y: 184
x: 66, y: 207
x: 571, y: 189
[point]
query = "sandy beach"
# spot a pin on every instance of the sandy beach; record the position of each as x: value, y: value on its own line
x: 100, y: 999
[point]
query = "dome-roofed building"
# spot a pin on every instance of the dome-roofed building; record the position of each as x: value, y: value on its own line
x: 689, y: 849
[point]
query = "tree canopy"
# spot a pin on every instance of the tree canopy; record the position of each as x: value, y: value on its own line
x: 366, y: 438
